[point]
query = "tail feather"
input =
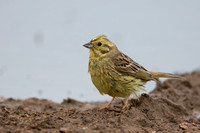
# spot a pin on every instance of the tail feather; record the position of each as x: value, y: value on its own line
x: 156, y: 75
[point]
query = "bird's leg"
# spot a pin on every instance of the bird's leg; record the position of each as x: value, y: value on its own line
x: 108, y: 105
x: 126, y: 102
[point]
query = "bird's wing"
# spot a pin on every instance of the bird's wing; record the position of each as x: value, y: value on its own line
x: 126, y: 66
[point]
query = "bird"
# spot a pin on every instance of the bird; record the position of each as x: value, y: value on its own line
x: 114, y: 73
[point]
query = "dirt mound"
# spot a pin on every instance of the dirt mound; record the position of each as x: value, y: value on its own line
x: 174, y: 106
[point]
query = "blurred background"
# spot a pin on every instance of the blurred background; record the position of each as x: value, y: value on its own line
x: 41, y: 52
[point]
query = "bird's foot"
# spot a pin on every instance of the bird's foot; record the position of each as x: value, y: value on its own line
x: 125, y: 107
x: 107, y: 106
x: 126, y: 103
x: 103, y: 108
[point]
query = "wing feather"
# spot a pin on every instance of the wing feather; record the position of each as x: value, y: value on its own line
x: 126, y: 66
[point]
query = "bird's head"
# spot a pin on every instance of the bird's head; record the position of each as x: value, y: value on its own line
x: 100, y: 46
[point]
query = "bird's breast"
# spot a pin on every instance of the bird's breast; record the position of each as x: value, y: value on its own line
x: 100, y: 75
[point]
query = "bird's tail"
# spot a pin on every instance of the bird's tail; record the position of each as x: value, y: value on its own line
x: 157, y: 75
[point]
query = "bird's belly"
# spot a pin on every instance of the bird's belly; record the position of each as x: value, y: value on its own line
x: 110, y: 82
x: 116, y: 86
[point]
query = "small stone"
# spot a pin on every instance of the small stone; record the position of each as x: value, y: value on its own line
x: 183, y: 126
x: 64, y: 130
x: 84, y: 128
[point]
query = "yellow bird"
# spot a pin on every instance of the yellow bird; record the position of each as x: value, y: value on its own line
x: 114, y: 73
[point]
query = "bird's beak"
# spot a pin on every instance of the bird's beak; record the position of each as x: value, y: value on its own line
x: 88, y: 45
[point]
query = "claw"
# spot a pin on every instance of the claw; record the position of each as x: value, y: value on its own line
x: 108, y: 104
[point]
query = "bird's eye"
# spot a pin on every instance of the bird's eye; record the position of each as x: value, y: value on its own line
x: 99, y: 43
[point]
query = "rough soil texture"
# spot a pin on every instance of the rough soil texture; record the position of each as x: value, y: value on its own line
x: 174, y: 106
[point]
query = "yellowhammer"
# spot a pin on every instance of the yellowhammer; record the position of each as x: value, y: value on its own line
x: 114, y: 73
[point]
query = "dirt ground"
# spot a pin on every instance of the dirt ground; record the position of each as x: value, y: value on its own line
x: 174, y: 106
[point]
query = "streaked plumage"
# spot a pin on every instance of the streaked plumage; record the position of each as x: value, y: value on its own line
x: 114, y: 73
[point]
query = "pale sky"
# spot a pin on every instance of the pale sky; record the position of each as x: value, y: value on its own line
x: 41, y: 52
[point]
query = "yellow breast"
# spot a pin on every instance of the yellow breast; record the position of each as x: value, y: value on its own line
x: 110, y: 82
x: 99, y: 75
